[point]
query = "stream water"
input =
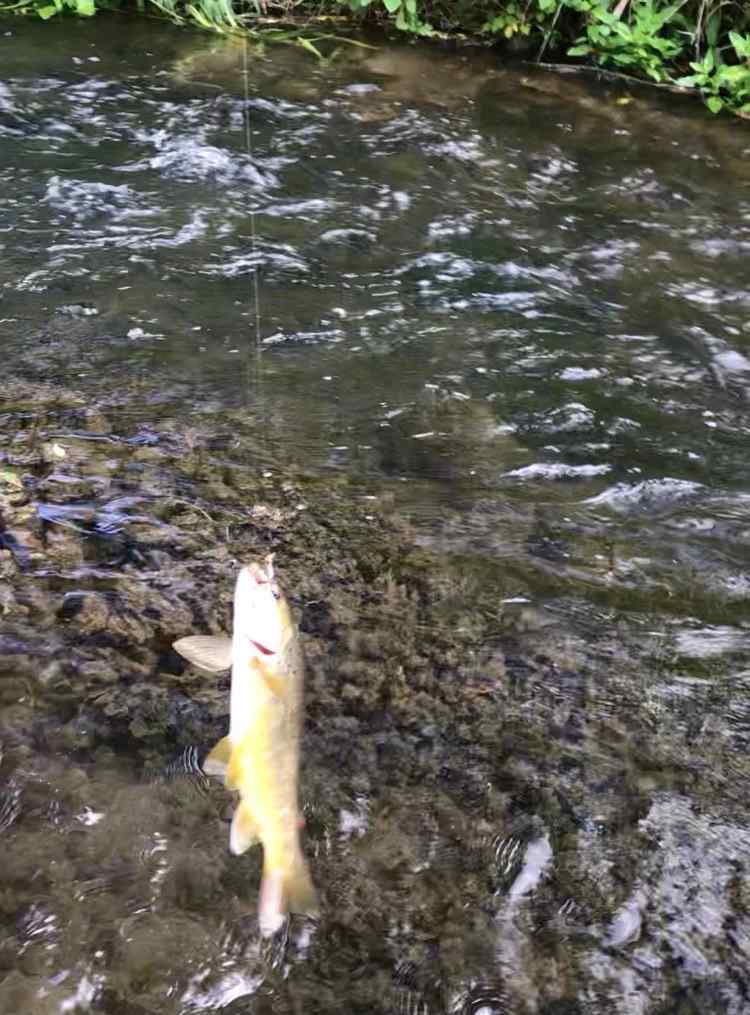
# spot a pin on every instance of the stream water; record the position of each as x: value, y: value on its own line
x: 493, y: 417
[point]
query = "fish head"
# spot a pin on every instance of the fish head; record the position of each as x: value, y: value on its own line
x: 261, y: 612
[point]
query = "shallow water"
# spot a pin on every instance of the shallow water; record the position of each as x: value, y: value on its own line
x: 494, y: 419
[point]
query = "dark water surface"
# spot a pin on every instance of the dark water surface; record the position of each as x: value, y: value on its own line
x: 498, y: 434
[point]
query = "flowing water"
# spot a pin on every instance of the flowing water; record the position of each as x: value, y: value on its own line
x: 494, y: 420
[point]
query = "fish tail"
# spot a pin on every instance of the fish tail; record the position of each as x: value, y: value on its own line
x: 283, y: 891
x: 300, y: 891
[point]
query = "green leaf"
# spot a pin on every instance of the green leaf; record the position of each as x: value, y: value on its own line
x: 714, y: 103
x: 46, y: 12
x: 741, y: 44
x: 712, y: 29
x: 659, y: 20
x: 310, y: 47
x: 200, y: 17
x: 392, y: 5
x: 86, y: 8
x: 579, y: 50
x: 734, y: 75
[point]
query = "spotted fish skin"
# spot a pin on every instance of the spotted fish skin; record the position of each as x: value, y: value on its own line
x: 259, y: 758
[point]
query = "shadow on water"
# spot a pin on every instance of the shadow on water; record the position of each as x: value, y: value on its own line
x: 496, y: 434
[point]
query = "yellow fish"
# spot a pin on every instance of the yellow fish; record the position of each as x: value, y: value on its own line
x: 260, y: 756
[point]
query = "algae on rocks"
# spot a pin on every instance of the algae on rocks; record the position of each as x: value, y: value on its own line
x: 452, y: 743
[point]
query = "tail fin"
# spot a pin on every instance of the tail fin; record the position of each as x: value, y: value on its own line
x: 282, y: 892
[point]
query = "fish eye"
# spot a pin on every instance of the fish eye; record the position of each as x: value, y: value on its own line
x: 275, y: 591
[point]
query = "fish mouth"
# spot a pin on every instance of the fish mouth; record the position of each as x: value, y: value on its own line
x: 263, y: 649
x: 262, y: 572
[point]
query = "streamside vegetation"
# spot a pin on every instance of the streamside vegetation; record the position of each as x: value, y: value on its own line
x: 692, y: 44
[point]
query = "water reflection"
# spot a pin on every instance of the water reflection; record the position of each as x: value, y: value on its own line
x: 496, y: 431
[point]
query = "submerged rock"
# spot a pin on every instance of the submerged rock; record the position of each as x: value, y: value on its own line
x: 473, y: 774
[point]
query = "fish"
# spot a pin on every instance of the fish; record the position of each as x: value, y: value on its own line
x: 259, y: 757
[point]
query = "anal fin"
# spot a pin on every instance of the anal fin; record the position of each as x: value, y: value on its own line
x: 244, y: 831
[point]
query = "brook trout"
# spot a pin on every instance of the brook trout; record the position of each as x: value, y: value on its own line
x: 260, y: 756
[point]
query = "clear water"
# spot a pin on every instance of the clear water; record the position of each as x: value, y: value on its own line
x: 504, y: 319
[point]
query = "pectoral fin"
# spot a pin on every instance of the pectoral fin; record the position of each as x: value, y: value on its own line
x: 217, y: 760
x: 274, y: 684
x: 207, y: 652
x: 244, y: 831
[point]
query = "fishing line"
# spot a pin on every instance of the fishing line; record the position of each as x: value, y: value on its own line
x: 254, y: 285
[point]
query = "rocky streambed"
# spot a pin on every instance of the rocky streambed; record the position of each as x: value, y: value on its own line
x: 501, y: 814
